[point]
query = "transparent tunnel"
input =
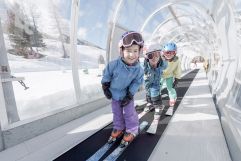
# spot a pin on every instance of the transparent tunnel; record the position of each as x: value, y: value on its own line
x: 52, y: 57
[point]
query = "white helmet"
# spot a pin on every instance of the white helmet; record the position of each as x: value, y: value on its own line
x: 150, y: 48
x: 153, y: 47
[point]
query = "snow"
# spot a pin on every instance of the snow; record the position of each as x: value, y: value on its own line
x: 52, y: 90
x: 50, y: 79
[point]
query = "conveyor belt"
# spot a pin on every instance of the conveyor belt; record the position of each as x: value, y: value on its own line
x: 142, y: 147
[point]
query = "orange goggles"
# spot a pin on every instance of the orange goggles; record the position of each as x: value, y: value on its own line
x: 169, y: 52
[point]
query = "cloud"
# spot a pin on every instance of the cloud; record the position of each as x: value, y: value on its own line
x: 82, y: 32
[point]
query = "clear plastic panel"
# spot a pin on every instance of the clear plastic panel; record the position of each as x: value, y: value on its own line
x: 36, y: 36
x: 94, y: 23
x: 134, y: 18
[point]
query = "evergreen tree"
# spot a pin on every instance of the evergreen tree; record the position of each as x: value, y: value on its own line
x: 21, y: 40
x: 36, y: 38
x: 18, y: 37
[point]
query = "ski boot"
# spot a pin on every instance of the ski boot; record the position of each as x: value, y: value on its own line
x: 158, y: 109
x: 172, y: 102
x: 127, y: 139
x: 171, y: 108
x: 148, y: 106
x: 114, y: 135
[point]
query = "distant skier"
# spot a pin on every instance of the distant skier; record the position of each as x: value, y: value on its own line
x: 121, y: 80
x: 101, y: 62
x: 153, y: 69
x: 206, y: 65
x: 171, y: 74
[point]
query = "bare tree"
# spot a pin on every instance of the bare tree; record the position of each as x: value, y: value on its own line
x: 37, y: 36
x: 61, y: 27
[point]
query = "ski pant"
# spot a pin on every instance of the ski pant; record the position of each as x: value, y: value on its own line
x: 171, y: 91
x: 153, y: 91
x: 125, y: 117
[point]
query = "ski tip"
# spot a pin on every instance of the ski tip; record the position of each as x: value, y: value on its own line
x: 142, y: 126
x: 150, y: 133
x: 144, y: 123
x: 169, y: 112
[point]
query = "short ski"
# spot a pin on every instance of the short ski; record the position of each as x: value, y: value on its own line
x: 102, y: 151
x: 140, y: 115
x: 107, y: 146
x: 119, y: 150
x: 153, y: 127
x: 169, y: 111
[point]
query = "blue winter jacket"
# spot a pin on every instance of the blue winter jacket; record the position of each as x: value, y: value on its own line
x: 122, y: 77
x: 153, y: 75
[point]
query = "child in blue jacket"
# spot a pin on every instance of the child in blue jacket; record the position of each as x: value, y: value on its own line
x: 121, y: 80
x: 153, y: 69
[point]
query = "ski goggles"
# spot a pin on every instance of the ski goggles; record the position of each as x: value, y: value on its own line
x: 130, y: 37
x: 153, y: 54
x: 169, y: 54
